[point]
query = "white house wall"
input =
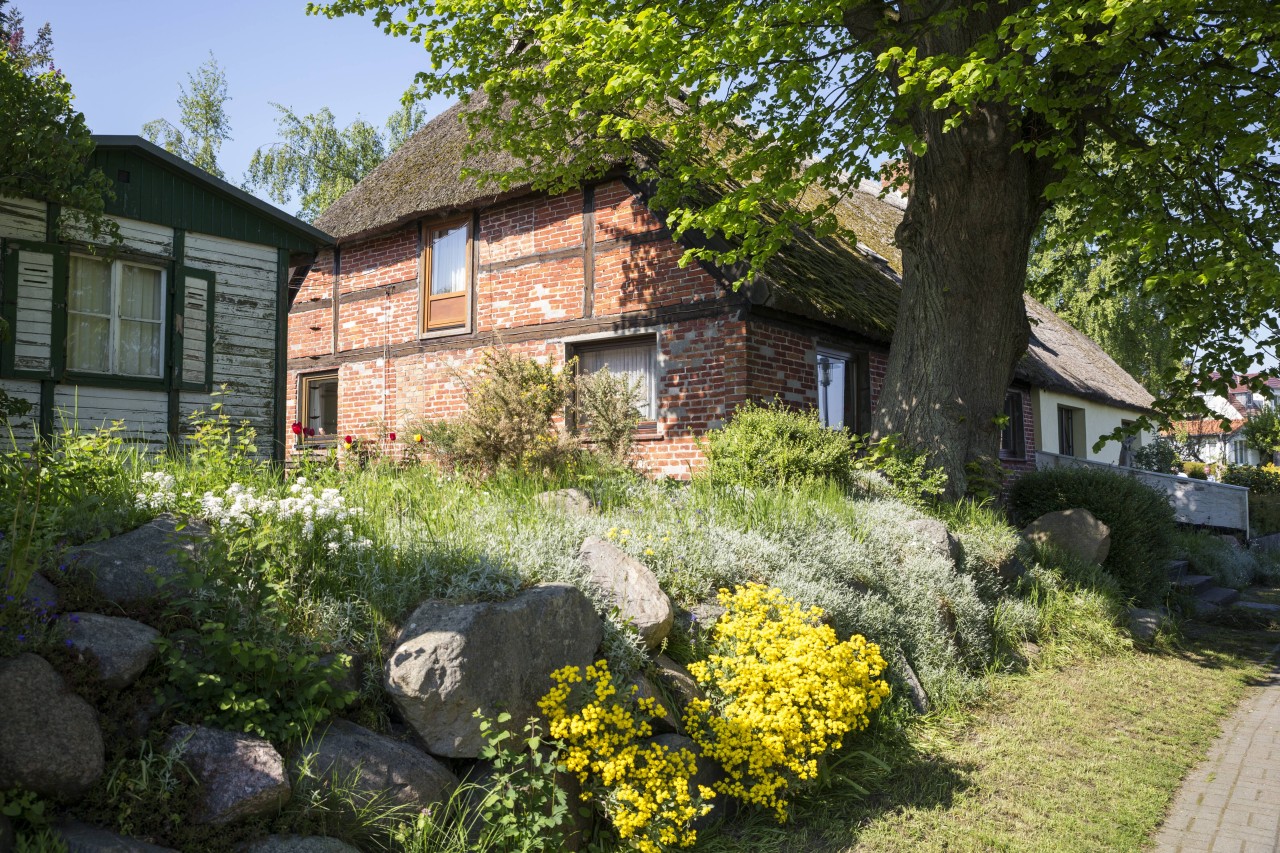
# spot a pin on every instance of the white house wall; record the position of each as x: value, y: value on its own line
x: 1099, y: 420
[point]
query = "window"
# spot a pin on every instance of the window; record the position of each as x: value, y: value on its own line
x: 637, y: 358
x: 317, y: 407
x: 1239, y: 452
x: 115, y: 318
x: 833, y: 387
x: 446, y: 265
x: 1012, y: 441
x: 1071, y: 441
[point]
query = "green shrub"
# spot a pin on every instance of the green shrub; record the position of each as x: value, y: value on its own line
x: 908, y: 470
x: 1141, y: 520
x: 1195, y: 470
x: 1159, y: 455
x: 777, y: 445
x: 609, y: 406
x: 510, y: 422
x: 1264, y: 514
x: 1259, y: 480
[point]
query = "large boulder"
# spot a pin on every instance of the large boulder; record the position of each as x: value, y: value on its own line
x: 933, y: 534
x: 126, y: 568
x: 122, y: 647
x: 1076, y: 531
x: 678, y: 681
x: 50, y: 742
x: 83, y: 838
x: 298, y: 844
x: 456, y: 658
x: 239, y: 775
x: 629, y: 585
x: 665, y: 719
x: 42, y: 593
x: 1270, y: 542
x: 566, y: 501
x: 376, y: 766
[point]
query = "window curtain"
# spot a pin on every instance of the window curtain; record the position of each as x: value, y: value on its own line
x: 89, y: 315
x: 638, y: 361
x: 449, y: 261
x: 138, y: 348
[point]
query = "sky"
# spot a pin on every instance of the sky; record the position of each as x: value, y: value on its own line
x: 125, y: 60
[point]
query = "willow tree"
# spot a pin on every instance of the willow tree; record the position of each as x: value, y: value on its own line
x: 993, y: 106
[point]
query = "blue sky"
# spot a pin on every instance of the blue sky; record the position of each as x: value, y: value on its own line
x: 125, y: 61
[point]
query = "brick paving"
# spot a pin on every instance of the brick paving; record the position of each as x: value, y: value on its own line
x: 1231, y: 801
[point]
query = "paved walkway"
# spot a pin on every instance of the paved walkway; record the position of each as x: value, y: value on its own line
x: 1231, y: 801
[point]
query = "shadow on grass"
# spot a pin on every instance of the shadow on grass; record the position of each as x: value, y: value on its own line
x: 880, y: 773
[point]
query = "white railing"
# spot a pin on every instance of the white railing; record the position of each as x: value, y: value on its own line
x: 1201, y: 502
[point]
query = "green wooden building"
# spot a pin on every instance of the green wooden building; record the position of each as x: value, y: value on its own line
x: 193, y: 301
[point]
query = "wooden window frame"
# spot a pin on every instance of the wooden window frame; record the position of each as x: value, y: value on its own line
x: 1015, y: 427
x: 424, y: 277
x: 645, y: 428
x: 303, y: 391
x: 114, y: 318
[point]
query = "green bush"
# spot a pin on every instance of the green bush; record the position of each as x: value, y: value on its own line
x: 777, y: 445
x: 609, y: 406
x: 1260, y: 480
x: 1264, y: 514
x: 1141, y: 520
x: 1195, y: 470
x: 908, y: 470
x: 1211, y: 555
x: 1159, y: 456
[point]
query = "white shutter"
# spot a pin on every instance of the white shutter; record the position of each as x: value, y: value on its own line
x: 33, y: 335
x: 195, y: 330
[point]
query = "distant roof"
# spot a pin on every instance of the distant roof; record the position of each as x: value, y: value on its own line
x: 822, y: 278
x: 170, y: 206
x: 1206, y: 427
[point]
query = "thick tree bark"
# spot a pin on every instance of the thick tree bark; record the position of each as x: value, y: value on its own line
x: 973, y: 208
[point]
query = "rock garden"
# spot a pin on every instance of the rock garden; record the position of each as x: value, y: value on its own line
x: 381, y: 651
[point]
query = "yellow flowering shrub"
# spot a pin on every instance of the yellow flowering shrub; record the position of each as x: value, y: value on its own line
x: 644, y: 788
x: 782, y: 692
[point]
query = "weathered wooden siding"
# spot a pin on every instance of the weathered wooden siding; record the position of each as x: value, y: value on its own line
x: 22, y: 219
x: 22, y: 429
x: 244, y: 327
x: 145, y: 414
x: 135, y: 236
x: 1194, y: 501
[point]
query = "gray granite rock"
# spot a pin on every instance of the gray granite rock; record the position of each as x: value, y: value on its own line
x: 41, y: 591
x: 1076, y: 531
x: 50, y: 742
x: 377, y: 766
x: 298, y: 844
x: 83, y: 838
x: 566, y: 501
x: 933, y: 534
x: 454, y: 659
x: 126, y: 568
x: 630, y: 587
x: 122, y: 647
x: 1145, y: 623
x: 239, y: 775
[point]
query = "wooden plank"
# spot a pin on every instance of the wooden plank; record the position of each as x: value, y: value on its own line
x: 21, y: 429
x: 1201, y: 502
x: 33, y: 332
x: 23, y: 219
x: 144, y: 413
x: 135, y: 236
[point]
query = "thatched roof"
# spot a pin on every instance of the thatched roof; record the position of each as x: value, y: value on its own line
x: 422, y: 178
x: 825, y: 279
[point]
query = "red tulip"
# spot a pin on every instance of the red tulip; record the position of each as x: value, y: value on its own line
x: 393, y: 436
x: 297, y: 428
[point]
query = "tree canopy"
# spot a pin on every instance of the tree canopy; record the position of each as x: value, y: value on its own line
x: 315, y: 163
x: 203, y: 124
x: 996, y: 108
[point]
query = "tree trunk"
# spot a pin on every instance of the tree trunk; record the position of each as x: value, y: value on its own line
x: 973, y: 207
x: 962, y: 324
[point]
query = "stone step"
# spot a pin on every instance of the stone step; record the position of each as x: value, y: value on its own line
x: 1177, y: 569
x: 1258, y: 607
x: 1194, y: 584
x: 1219, y: 596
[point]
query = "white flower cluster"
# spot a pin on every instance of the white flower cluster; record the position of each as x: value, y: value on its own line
x: 157, y: 494
x: 317, y: 509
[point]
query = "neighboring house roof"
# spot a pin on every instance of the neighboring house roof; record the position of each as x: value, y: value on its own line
x: 825, y: 279
x: 189, y: 197
x: 1206, y: 427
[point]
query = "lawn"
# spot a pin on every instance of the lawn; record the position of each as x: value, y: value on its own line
x: 1084, y: 756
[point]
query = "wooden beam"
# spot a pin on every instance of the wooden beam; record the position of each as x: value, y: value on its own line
x: 588, y: 251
